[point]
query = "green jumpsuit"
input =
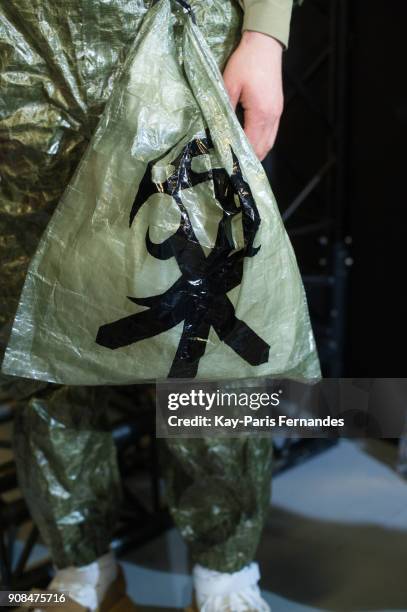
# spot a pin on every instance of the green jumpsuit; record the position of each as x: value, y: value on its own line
x: 59, y: 62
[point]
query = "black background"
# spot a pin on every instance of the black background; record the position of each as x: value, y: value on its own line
x: 374, y: 196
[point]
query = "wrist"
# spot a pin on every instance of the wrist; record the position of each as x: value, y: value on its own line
x: 268, y: 42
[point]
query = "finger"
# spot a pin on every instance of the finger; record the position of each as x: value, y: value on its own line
x: 232, y: 87
x: 258, y: 132
x: 261, y: 130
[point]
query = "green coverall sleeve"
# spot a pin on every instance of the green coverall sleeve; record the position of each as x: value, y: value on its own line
x: 270, y: 17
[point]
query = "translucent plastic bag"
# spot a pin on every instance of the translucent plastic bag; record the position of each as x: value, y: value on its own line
x: 167, y: 255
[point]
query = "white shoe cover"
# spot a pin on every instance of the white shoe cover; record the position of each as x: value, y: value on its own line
x: 221, y: 592
x: 87, y: 585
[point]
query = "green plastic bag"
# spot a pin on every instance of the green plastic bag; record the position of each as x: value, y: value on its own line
x: 167, y: 255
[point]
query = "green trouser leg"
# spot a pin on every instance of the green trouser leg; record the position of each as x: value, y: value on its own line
x: 219, y: 495
x: 218, y: 489
x: 67, y: 470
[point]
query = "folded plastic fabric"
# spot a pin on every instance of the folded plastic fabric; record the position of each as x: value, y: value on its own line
x: 167, y: 255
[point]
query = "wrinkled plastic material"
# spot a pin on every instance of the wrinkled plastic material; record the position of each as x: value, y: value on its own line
x: 218, y: 490
x: 67, y: 470
x: 57, y: 73
x: 167, y: 255
x: 219, y: 496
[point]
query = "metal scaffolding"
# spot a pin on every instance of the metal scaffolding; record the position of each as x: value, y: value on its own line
x: 309, y: 165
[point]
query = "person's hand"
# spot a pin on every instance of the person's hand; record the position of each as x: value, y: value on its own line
x: 253, y: 77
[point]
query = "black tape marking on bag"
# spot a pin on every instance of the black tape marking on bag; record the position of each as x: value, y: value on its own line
x: 199, y: 297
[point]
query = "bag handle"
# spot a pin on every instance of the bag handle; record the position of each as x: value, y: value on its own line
x: 187, y: 8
